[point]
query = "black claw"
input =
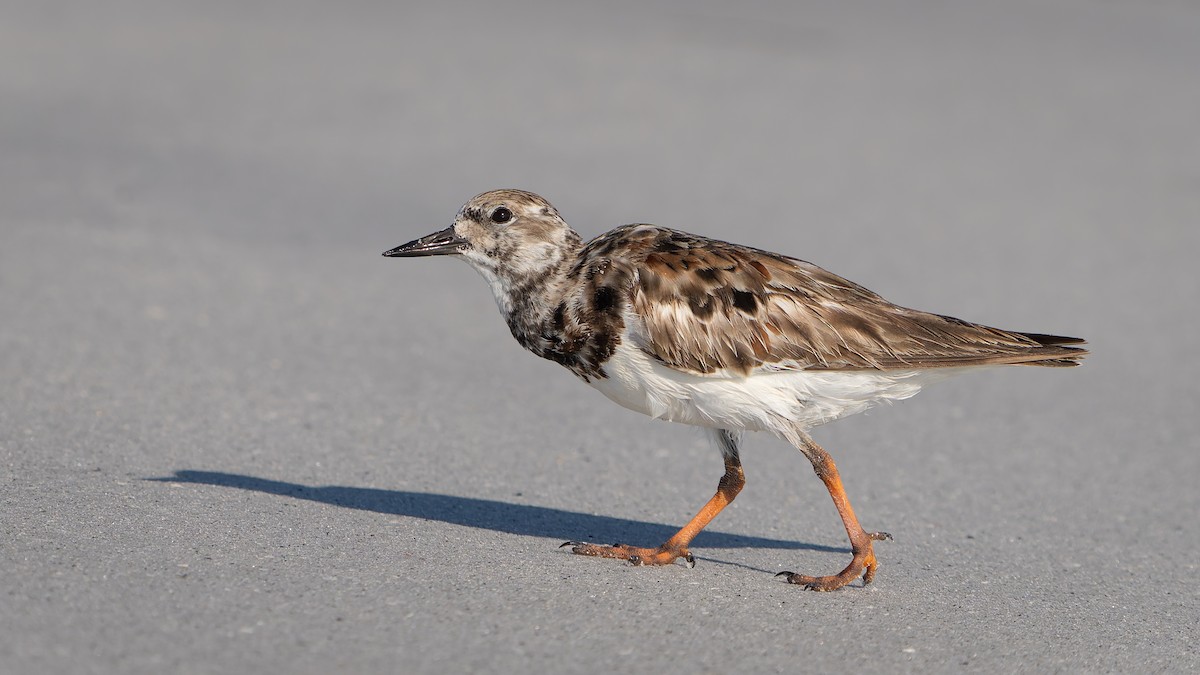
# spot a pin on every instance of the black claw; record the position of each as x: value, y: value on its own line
x: 635, y: 559
x: 570, y: 543
x: 690, y: 560
x: 785, y: 574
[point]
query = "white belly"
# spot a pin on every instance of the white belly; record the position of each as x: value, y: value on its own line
x: 806, y: 397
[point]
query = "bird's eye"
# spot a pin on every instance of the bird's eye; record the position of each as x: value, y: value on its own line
x: 501, y: 215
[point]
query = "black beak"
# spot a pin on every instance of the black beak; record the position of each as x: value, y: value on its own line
x: 445, y: 242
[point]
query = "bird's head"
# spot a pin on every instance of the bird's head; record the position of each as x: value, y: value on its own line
x: 511, y: 237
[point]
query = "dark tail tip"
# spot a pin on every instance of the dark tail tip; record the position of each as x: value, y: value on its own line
x: 1055, y: 350
x: 1054, y: 340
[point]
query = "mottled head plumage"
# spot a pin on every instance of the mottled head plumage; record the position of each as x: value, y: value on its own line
x: 514, y: 230
x: 519, y: 202
x: 517, y: 241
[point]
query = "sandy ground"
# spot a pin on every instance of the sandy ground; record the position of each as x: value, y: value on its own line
x: 233, y: 438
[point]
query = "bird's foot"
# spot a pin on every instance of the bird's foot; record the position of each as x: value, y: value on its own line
x: 663, y: 555
x: 862, y: 564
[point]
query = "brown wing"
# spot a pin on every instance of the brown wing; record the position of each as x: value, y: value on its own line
x: 705, y: 306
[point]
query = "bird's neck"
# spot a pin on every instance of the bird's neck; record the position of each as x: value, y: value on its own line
x: 529, y: 288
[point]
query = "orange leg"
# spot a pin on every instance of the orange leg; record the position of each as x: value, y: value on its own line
x: 863, y: 563
x: 677, y: 546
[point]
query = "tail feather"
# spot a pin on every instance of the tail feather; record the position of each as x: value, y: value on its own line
x: 1054, y: 340
x: 1052, y: 351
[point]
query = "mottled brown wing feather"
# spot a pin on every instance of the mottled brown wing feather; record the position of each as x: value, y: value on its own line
x: 706, y: 306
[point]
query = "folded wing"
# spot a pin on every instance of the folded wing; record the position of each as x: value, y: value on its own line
x: 711, y: 307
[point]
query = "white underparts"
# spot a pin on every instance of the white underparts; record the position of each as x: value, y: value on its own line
x: 761, y: 402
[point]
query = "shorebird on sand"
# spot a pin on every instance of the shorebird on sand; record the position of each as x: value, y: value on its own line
x: 725, y: 337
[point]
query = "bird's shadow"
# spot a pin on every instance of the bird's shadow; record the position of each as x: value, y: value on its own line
x: 488, y: 514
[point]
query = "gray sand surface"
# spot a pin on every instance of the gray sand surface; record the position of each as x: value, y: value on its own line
x: 233, y: 438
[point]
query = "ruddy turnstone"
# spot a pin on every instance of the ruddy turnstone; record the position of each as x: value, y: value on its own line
x: 721, y: 336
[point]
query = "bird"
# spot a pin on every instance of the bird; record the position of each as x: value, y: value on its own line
x: 716, y: 335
